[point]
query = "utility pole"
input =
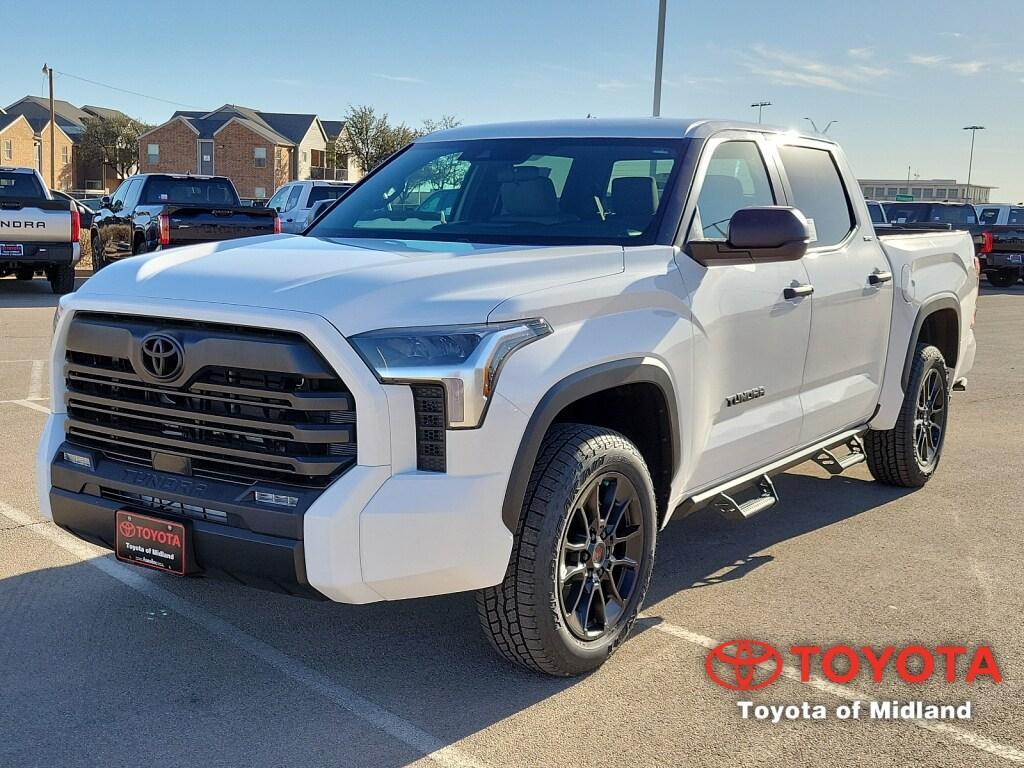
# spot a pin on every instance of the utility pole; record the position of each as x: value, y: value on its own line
x: 970, y: 165
x: 659, y: 58
x: 53, y: 131
x: 760, y: 105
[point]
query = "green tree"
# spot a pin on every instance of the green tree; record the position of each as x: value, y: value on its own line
x: 114, y: 142
x: 370, y: 138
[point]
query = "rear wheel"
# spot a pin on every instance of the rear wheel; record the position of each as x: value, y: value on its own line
x: 62, y: 278
x: 1002, y: 278
x: 98, y: 260
x: 25, y: 273
x: 582, y: 557
x: 908, y: 454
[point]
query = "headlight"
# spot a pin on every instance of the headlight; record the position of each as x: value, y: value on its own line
x: 466, y: 359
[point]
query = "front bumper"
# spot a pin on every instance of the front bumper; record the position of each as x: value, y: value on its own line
x: 380, y: 531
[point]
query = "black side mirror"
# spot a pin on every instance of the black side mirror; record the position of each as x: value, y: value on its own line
x: 105, y: 201
x: 769, y: 233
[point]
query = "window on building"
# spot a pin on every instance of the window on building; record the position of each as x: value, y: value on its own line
x: 8, y: 149
x: 928, y: 193
x: 305, y: 156
x: 64, y: 154
x: 818, y: 191
x: 260, y: 157
x: 152, y: 154
x: 916, y: 192
x: 260, y: 192
x: 890, y: 192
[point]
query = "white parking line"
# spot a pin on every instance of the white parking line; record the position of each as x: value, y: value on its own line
x: 983, y: 743
x: 28, y: 404
x: 35, y: 380
x: 380, y: 718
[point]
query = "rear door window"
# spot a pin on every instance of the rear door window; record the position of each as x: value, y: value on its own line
x: 293, y: 198
x: 1016, y: 216
x: 316, y: 194
x: 988, y: 215
x: 736, y: 178
x: 819, y: 192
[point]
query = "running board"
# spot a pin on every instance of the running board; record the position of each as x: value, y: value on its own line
x: 730, y: 509
x: 836, y: 465
x: 756, y: 477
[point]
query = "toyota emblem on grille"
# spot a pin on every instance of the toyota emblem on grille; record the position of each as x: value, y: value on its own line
x: 162, y: 356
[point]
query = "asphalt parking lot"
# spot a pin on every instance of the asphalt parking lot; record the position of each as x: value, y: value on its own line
x: 105, y: 664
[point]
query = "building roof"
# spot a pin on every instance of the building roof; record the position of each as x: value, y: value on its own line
x: 7, y: 120
x: 921, y: 183
x: 103, y: 112
x: 283, y: 128
x: 69, y: 118
x: 333, y: 128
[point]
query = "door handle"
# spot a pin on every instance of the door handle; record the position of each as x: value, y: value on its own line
x: 877, y: 278
x: 797, y: 291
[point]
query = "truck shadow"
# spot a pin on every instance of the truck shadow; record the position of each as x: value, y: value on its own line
x: 16, y: 294
x: 129, y: 666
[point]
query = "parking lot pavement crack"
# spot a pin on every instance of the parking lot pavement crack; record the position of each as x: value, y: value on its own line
x: 404, y: 731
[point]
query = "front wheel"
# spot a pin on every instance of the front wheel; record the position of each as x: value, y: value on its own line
x: 908, y: 454
x: 582, y: 558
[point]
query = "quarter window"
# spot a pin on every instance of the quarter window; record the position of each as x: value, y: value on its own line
x: 736, y: 178
x: 260, y: 157
x: 152, y: 154
x: 818, y: 191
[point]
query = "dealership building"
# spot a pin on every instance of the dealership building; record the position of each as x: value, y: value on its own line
x: 924, y: 189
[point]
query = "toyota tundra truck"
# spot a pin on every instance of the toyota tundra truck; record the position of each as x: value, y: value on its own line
x: 38, y: 232
x: 615, y: 323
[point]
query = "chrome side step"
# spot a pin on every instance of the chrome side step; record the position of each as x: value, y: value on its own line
x: 730, y: 509
x: 836, y: 465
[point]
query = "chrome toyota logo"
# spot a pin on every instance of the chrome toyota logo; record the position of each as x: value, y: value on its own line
x: 162, y: 356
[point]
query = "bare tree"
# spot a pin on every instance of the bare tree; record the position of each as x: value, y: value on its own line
x: 370, y: 138
x: 114, y: 142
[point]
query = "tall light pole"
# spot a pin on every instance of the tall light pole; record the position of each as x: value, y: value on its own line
x: 659, y: 58
x: 970, y: 165
x: 53, y: 131
x: 815, y: 125
x: 760, y: 105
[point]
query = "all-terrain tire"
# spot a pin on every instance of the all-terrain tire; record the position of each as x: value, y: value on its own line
x: 25, y: 273
x: 62, y: 278
x: 893, y: 457
x: 523, y: 616
x: 98, y: 259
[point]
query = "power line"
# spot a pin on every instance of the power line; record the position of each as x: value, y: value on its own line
x: 125, y: 90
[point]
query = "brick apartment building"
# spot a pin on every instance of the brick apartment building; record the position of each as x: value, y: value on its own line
x: 258, y: 151
x: 72, y: 172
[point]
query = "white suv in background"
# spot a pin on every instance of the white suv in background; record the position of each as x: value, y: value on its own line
x: 296, y: 200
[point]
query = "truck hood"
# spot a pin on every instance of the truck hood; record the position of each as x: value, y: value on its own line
x: 358, y: 285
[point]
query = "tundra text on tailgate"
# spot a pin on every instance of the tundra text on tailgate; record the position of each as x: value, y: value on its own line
x: 605, y: 325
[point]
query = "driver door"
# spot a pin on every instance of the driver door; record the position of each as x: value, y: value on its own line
x: 751, y: 341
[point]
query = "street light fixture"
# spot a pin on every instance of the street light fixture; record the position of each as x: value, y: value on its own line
x: 760, y: 106
x: 815, y: 125
x: 970, y: 165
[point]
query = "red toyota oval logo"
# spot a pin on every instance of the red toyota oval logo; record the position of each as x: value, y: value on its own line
x: 735, y: 665
x: 127, y: 529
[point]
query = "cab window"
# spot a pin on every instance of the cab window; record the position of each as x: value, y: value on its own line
x: 736, y: 178
x: 818, y: 191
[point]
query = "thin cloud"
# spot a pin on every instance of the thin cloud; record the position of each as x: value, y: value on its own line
x: 398, y: 78
x: 926, y: 61
x: 793, y: 69
x: 951, y: 34
x: 615, y: 85
x: 969, y: 67
x: 861, y: 53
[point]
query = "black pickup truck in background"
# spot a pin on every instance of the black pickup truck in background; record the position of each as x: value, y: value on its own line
x: 1002, y: 254
x: 152, y: 211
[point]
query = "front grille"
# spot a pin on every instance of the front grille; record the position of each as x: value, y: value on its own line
x: 429, y: 406
x: 250, y: 406
x: 167, y: 506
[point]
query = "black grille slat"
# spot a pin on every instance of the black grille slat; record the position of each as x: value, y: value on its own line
x: 233, y: 422
x: 429, y: 407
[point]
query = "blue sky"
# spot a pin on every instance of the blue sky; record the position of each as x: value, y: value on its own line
x: 901, y: 79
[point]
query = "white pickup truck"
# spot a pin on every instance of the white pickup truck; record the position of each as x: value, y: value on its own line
x: 613, y: 324
x: 38, y: 232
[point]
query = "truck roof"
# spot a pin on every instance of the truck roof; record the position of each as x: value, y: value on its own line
x: 607, y: 127
x: 16, y: 169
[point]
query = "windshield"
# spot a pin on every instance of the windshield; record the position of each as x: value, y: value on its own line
x: 185, y: 191
x: 521, y: 191
x: 914, y: 213
x: 20, y: 185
